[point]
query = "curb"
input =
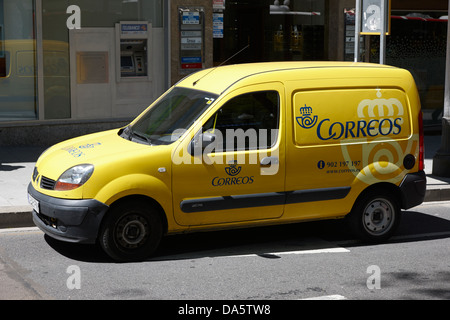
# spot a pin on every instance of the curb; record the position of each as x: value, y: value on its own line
x: 442, y: 194
x: 16, y: 217
x: 20, y: 216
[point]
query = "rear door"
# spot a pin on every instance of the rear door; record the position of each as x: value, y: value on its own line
x: 344, y: 140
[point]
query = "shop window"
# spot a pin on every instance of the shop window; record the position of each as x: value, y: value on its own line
x: 94, y: 14
x: 418, y: 43
x: 18, y: 95
x: 270, y: 30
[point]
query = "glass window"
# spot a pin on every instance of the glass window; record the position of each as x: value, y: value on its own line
x: 170, y: 116
x: 270, y: 30
x: 418, y: 42
x: 98, y: 13
x: 246, y: 122
x: 297, y: 30
x: 103, y: 13
x: 17, y: 61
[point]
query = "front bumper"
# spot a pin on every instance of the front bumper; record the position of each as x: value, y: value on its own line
x: 68, y: 219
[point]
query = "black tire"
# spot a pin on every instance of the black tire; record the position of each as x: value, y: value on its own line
x: 375, y: 217
x: 131, y: 231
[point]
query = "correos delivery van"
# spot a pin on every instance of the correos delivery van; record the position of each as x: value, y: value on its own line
x: 242, y: 145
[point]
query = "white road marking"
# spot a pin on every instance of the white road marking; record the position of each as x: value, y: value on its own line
x: 331, y: 297
x: 18, y: 230
x: 312, y: 251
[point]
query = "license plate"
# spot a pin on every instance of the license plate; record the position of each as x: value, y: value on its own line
x: 34, y: 203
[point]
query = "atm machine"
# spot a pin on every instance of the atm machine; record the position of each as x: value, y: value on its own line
x: 132, y: 42
x: 134, y: 83
x: 133, y: 61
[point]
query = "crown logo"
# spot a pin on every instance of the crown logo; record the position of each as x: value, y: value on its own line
x: 380, y: 107
x: 306, y: 120
x: 306, y: 110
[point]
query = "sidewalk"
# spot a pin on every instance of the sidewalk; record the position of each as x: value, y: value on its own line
x: 438, y: 188
x: 17, y: 163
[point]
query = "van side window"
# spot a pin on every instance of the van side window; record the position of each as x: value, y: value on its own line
x: 246, y: 122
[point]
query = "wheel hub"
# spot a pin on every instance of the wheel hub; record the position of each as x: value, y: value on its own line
x: 378, y: 217
x: 132, y: 231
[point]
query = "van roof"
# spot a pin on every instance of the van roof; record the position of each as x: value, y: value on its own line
x: 218, y: 79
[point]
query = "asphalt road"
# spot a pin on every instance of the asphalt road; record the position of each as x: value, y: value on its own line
x: 317, y: 260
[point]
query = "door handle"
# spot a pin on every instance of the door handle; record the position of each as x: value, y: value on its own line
x: 268, y: 161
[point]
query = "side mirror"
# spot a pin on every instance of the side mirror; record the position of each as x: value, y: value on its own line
x: 200, y: 142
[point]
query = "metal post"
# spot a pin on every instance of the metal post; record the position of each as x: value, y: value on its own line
x: 441, y: 160
x: 357, y: 28
x: 40, y: 60
x: 383, y: 32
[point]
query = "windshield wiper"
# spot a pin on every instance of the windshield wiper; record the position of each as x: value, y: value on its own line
x: 142, y: 136
x: 132, y: 133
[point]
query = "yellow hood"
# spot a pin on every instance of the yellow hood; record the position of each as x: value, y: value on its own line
x: 89, y: 149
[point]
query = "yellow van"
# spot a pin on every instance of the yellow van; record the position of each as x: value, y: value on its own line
x: 242, y: 145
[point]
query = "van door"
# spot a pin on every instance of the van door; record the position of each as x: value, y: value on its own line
x: 241, y: 175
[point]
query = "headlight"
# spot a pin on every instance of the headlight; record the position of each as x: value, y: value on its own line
x: 74, y: 177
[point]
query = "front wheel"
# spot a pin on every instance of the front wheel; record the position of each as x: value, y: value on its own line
x: 375, y: 217
x: 131, y: 232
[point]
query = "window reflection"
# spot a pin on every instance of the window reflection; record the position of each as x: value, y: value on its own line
x: 17, y: 61
x: 274, y: 30
x: 418, y: 43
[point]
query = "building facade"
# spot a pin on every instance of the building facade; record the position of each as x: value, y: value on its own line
x: 52, y: 70
x: 72, y: 67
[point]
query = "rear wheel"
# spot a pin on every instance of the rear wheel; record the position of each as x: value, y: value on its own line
x: 132, y: 231
x: 375, y: 217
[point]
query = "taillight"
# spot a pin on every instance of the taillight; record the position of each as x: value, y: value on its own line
x: 421, y: 146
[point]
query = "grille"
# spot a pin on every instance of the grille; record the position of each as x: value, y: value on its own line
x: 47, y: 183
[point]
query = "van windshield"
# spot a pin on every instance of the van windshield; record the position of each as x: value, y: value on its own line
x: 176, y: 111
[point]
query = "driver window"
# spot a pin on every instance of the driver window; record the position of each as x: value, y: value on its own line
x: 246, y: 122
